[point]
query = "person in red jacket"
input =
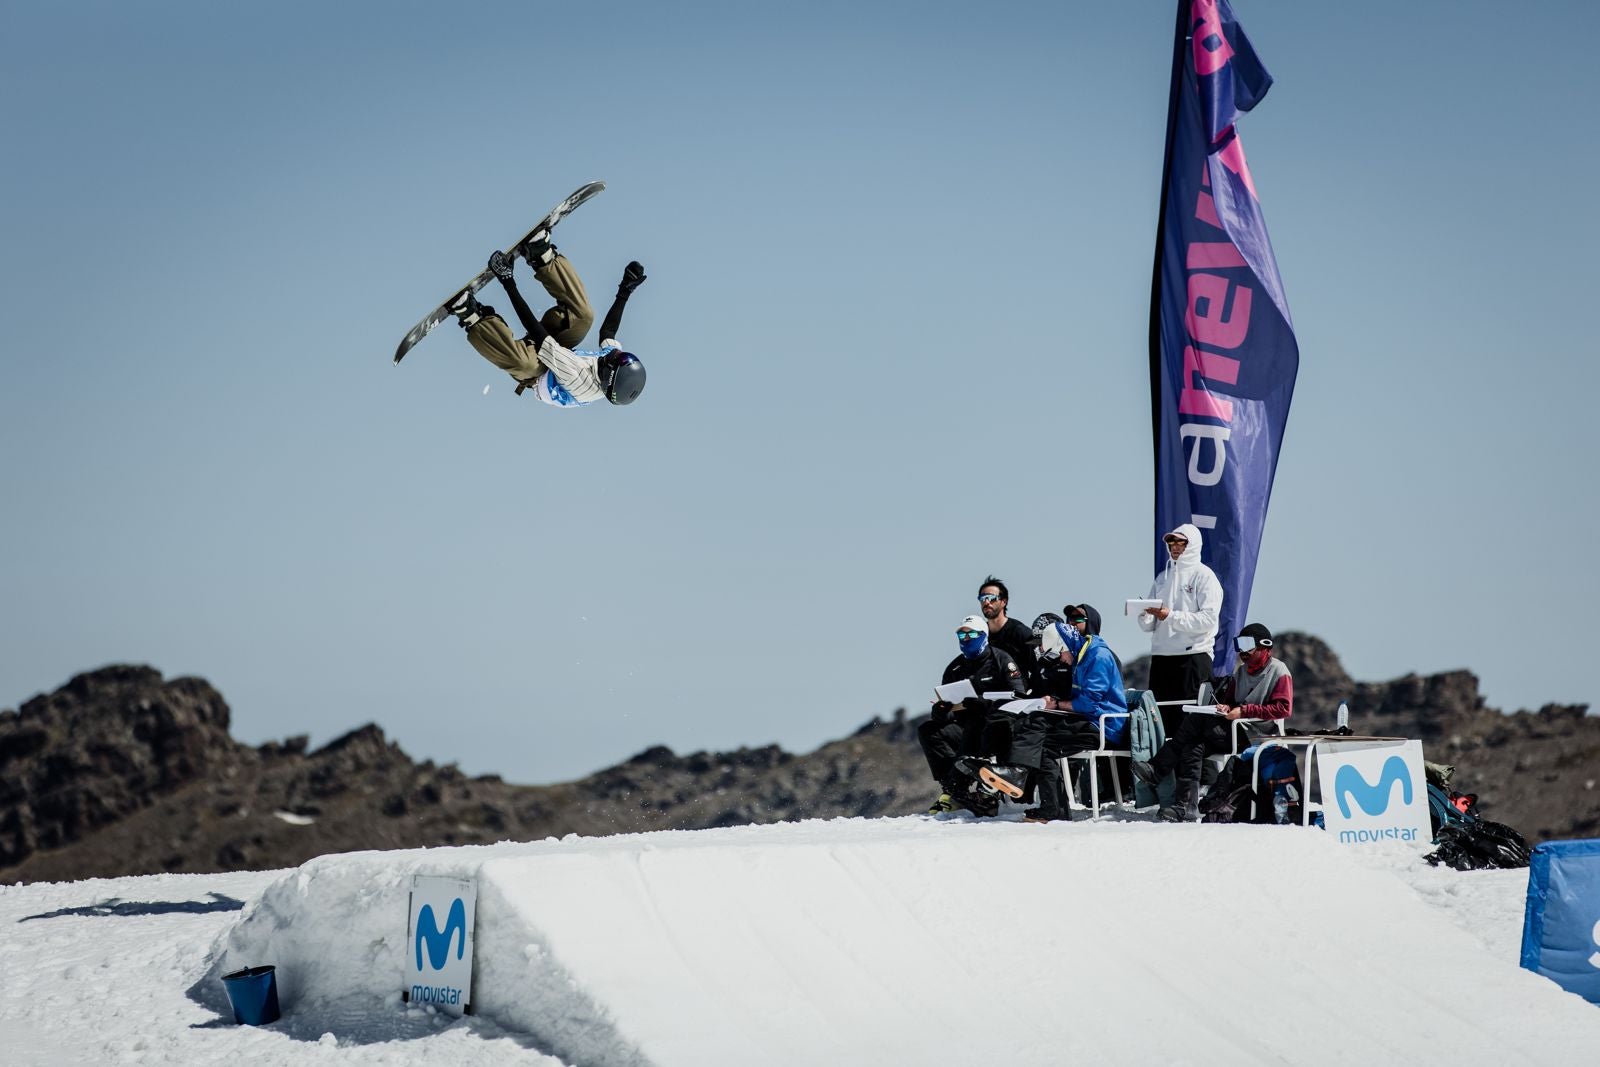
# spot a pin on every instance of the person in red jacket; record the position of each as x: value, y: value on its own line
x: 1259, y: 688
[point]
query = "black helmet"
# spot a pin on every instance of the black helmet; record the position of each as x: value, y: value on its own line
x: 621, y: 376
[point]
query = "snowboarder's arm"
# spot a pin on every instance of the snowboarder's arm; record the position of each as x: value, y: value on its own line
x: 501, y: 265
x: 632, y: 277
x: 536, y: 332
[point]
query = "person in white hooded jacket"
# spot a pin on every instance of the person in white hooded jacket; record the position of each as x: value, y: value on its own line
x: 1184, y: 628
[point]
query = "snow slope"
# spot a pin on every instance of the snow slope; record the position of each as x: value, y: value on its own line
x: 889, y: 941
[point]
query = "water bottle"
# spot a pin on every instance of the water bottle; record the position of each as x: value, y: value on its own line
x: 1280, y: 805
x: 1344, y: 716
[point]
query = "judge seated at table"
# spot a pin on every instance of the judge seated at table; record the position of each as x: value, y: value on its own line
x: 1260, y: 688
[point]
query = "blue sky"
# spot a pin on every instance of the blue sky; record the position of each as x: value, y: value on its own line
x: 896, y: 320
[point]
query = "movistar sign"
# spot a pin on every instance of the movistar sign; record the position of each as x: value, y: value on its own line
x: 1374, y: 799
x: 1372, y: 791
x: 439, y: 964
x: 437, y: 940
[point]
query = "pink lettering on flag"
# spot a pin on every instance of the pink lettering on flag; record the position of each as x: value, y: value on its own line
x: 1232, y: 157
x: 1207, y: 326
x: 1199, y: 401
x: 1211, y: 48
x: 1204, y: 255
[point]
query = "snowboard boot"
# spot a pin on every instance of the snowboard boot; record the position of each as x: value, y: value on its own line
x: 1004, y: 778
x: 1146, y: 772
x: 983, y: 805
x: 943, y: 805
x: 467, y: 310
x: 1185, y: 804
x: 1054, y: 804
x: 538, y: 250
x: 964, y: 772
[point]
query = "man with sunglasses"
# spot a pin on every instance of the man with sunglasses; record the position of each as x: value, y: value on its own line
x: 1005, y: 632
x: 1259, y: 688
x: 952, y: 739
x: 545, y: 359
x: 1183, y: 628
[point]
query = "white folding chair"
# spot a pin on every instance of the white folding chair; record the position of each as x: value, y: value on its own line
x: 1093, y: 756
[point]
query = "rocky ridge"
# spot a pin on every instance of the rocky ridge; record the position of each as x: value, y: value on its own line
x: 123, y: 772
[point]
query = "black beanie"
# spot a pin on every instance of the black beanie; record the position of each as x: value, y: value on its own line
x: 1262, y: 635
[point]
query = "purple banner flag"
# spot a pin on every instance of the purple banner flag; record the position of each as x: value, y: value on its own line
x: 1223, y: 355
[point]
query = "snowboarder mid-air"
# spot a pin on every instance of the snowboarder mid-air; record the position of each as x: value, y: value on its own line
x: 545, y: 359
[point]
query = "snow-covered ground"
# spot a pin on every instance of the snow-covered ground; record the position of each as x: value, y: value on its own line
x: 883, y: 942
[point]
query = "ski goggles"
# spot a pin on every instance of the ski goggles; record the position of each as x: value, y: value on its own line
x: 1250, y: 644
x: 967, y: 635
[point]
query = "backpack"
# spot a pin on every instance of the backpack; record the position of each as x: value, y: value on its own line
x: 1280, y: 781
x: 1449, y: 808
x: 1232, y: 792
x: 1146, y: 735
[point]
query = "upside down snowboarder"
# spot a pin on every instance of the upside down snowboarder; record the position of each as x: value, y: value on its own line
x: 546, y: 359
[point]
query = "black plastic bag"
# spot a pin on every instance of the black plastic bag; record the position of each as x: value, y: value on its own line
x: 1479, y: 846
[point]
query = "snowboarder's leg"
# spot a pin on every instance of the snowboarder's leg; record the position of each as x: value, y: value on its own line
x: 492, y: 339
x: 569, y: 321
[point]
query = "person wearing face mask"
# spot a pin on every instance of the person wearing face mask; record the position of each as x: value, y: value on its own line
x: 952, y: 737
x: 1184, y: 628
x: 1082, y: 683
x: 1259, y: 688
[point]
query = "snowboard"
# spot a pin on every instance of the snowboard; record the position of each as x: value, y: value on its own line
x: 483, y: 277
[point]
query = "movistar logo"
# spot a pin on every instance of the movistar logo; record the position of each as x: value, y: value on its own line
x: 1373, y: 799
x: 439, y: 940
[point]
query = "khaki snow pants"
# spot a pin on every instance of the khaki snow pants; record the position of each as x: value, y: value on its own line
x: 568, y: 322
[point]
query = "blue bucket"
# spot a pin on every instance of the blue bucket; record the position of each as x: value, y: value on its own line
x: 253, y: 992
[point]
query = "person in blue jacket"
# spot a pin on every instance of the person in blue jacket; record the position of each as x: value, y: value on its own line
x: 1070, y: 721
x: 1096, y: 682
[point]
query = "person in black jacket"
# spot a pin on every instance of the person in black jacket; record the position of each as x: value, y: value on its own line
x: 953, y: 736
x: 1007, y: 633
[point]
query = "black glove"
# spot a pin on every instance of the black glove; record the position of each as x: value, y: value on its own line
x: 633, y: 276
x: 941, y: 710
x: 501, y: 265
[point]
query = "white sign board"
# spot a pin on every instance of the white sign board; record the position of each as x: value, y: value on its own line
x: 1374, y: 791
x: 439, y: 943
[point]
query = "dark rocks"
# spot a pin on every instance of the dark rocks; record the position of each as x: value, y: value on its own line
x: 102, y: 747
x: 120, y: 772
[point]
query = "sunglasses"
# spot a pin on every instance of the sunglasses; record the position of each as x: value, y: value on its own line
x: 1176, y: 540
x: 988, y: 597
x: 1079, y: 620
x: 967, y: 635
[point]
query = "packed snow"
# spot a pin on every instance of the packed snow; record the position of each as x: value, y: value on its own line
x: 884, y: 941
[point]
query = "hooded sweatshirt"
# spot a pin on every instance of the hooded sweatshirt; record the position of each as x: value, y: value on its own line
x: 1191, y: 592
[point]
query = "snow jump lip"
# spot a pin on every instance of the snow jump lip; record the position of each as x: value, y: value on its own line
x: 892, y: 941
